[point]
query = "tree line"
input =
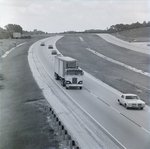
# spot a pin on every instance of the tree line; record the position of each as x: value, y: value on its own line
x: 10, y: 28
x: 121, y: 27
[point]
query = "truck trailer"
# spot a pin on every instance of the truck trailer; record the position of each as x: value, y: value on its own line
x: 67, y: 71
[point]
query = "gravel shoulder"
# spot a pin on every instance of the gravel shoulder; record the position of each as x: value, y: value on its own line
x: 23, y: 122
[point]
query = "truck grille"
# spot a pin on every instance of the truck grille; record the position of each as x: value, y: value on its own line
x: 74, y: 80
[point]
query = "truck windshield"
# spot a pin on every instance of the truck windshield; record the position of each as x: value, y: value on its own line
x: 71, y: 65
x: 74, y: 72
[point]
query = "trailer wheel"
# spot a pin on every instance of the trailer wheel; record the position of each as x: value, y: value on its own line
x: 56, y: 76
x: 63, y: 82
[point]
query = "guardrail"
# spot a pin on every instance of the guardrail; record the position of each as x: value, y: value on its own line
x: 60, y: 129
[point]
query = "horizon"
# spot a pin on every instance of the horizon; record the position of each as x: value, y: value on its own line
x: 54, y: 16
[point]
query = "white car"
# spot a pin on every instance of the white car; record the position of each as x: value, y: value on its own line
x: 131, y: 101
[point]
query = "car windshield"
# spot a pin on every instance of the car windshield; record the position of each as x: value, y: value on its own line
x: 132, y: 97
x: 74, y: 72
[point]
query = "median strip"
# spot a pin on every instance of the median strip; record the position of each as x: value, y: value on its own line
x: 119, y: 63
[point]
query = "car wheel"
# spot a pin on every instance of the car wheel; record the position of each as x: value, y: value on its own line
x: 126, y: 106
x: 141, y: 108
x: 119, y: 101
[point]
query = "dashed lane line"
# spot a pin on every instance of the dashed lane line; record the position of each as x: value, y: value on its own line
x: 117, y: 111
x: 81, y: 38
x: 113, y: 138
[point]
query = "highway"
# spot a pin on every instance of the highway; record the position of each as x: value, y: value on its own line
x: 131, y: 128
x: 119, y: 77
x: 137, y: 46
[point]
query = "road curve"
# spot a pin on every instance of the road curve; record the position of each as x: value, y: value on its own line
x: 137, y: 46
x: 124, y: 126
x: 77, y: 122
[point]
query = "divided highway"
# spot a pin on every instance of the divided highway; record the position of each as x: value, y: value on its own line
x: 120, y: 78
x: 129, y: 128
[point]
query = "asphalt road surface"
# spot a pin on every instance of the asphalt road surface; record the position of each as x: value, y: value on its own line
x: 129, y: 127
x: 120, y: 78
x: 23, y: 124
x: 21, y: 129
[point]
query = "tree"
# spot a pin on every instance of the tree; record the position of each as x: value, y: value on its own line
x: 148, y: 24
x: 13, y: 28
x: 144, y: 24
x: 2, y: 33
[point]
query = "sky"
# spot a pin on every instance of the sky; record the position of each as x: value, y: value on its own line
x: 55, y: 16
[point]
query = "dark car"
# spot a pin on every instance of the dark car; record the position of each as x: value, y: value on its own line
x: 42, y: 44
x: 50, y: 47
x: 53, y: 52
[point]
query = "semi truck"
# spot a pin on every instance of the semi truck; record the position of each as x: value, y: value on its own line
x: 68, y: 72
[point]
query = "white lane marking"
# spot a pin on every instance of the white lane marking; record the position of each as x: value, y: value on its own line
x: 145, y: 130
x: 119, y: 63
x: 81, y: 38
x: 90, y: 116
x: 94, y: 95
x: 117, y: 111
x: 80, y: 106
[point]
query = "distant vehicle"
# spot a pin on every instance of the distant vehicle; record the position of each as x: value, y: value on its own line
x: 131, y: 101
x: 68, y: 72
x: 50, y: 47
x: 42, y: 44
x: 53, y: 52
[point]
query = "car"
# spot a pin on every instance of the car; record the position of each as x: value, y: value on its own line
x: 50, y: 47
x: 131, y: 101
x: 42, y: 44
x: 53, y: 52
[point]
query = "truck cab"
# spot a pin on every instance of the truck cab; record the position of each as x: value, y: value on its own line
x: 67, y: 70
x: 74, y: 77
